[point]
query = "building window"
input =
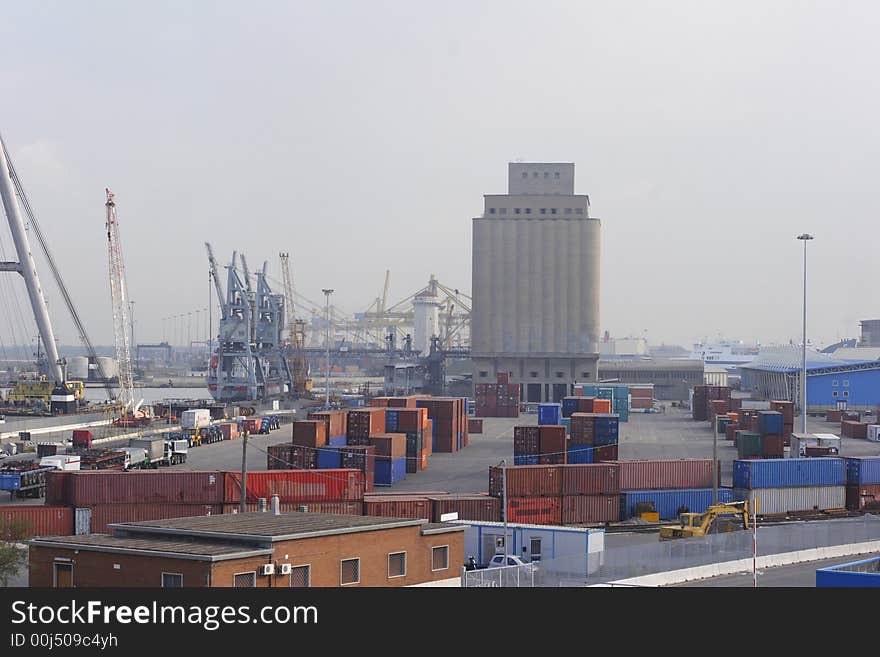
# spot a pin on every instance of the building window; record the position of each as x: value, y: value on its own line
x: 483, y: 374
x: 579, y: 210
x: 834, y: 393
x: 556, y: 175
x: 63, y: 575
x: 543, y: 210
x: 301, y: 577
x: 397, y: 564
x: 491, y: 210
x: 528, y: 211
x: 516, y: 211
x: 502, y: 210
x: 585, y: 375
x: 846, y: 393
x: 245, y: 580
x: 567, y: 210
x: 552, y: 210
x: 350, y: 571
x: 535, y: 548
x: 846, y: 383
x: 559, y: 375
x: 172, y: 580
x: 834, y: 383
x: 534, y: 375
x: 439, y: 558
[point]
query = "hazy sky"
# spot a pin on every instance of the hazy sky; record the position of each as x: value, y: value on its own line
x: 361, y: 136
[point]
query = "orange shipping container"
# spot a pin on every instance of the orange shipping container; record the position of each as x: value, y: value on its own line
x: 37, y: 520
x: 389, y: 445
x: 310, y: 433
x: 601, y: 405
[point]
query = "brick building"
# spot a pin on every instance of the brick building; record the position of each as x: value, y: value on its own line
x: 304, y: 549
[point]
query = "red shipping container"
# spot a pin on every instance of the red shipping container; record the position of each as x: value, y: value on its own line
x: 389, y: 445
x: 730, y: 430
x: 103, y: 515
x: 588, y: 405
x: 862, y: 497
x: 410, y: 420
x: 588, y: 509
x: 343, y: 485
x: 526, y: 440
x: 527, y: 481
x: 683, y: 473
x: 58, y: 488
x: 583, y: 428
x: 287, y: 456
x: 772, y: 446
x: 379, y: 402
x: 604, y: 453
x: 403, y: 402
x: 37, y: 520
x: 591, y: 479
x: 833, y: 416
x: 853, y: 429
x: 552, y: 439
x: 337, y: 508
x: 468, y: 507
x: 399, y: 506
x: 535, y: 510
x: 784, y: 407
x: 475, y: 426
x: 309, y: 433
x: 145, y: 486
x: 336, y: 421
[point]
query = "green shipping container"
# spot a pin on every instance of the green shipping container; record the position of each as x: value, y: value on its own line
x: 748, y: 444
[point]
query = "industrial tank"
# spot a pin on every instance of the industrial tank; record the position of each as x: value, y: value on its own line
x: 77, y: 368
x: 108, y: 365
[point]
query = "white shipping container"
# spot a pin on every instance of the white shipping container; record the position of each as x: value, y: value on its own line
x: 749, y: 405
x: 874, y: 432
x: 65, y: 462
x: 829, y: 440
x: 799, y: 443
x: 195, y: 418
x: 800, y: 498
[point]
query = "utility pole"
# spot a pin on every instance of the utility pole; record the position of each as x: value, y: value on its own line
x: 715, y: 466
x: 327, y: 292
x: 804, y: 237
x: 504, y: 503
x: 243, y: 499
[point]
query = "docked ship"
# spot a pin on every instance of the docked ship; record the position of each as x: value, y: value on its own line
x: 728, y: 353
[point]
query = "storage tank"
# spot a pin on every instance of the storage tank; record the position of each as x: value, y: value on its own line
x: 77, y: 368
x: 108, y: 365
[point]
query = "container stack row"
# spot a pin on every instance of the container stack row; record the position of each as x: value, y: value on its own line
x: 791, y: 485
x: 500, y: 399
x: 863, y: 483
x: 594, y: 437
x: 434, y: 506
x: 703, y: 395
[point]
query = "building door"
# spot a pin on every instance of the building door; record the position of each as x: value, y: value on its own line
x: 63, y: 575
x: 560, y: 390
x: 533, y: 393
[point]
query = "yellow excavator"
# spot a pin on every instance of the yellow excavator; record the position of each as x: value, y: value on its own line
x: 700, y: 524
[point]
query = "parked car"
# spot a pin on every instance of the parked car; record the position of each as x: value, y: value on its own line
x: 512, y: 560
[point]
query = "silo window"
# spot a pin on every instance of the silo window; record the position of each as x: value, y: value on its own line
x: 834, y: 383
x: 834, y: 393
x: 553, y: 211
x: 543, y: 210
x: 559, y: 375
x: 535, y: 175
x: 846, y: 383
x: 556, y: 175
x: 516, y: 210
x: 525, y: 174
x: 585, y: 375
x: 491, y: 210
x: 534, y: 375
x: 528, y: 211
x: 546, y: 175
x: 483, y: 374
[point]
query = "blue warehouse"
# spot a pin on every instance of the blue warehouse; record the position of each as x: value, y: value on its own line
x: 829, y: 380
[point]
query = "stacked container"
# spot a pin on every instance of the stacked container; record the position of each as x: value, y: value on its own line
x: 398, y: 506
x: 590, y: 493
x: 526, y: 445
x: 853, y: 429
x: 863, y: 483
x: 449, y: 428
x: 642, y: 397
x: 703, y: 394
x: 468, y: 507
x: 791, y: 485
x: 771, y: 427
x: 337, y: 425
x: 534, y: 492
x: 583, y: 438
x: 549, y: 413
x: 669, y: 485
x: 390, y: 454
x: 309, y: 433
x: 787, y: 410
x: 363, y: 423
x: 552, y: 445
x: 572, y: 405
x: 500, y: 399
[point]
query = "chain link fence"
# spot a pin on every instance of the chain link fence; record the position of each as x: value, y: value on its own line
x: 622, y: 563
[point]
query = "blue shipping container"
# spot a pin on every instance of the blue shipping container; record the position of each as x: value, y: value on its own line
x: 599, y: 441
x: 337, y: 441
x: 549, y: 413
x: 607, y: 424
x: 566, y: 422
x: 329, y: 458
x: 784, y: 473
x: 864, y: 470
x: 523, y: 459
x: 606, y: 393
x: 390, y: 471
x: 10, y: 481
x: 668, y: 502
x: 770, y: 423
x: 391, y: 421
x: 590, y: 391
x: 569, y: 406
x: 579, y: 454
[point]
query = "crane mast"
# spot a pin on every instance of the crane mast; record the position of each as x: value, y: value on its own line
x: 118, y: 297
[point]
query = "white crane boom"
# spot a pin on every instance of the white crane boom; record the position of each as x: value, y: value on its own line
x: 118, y: 297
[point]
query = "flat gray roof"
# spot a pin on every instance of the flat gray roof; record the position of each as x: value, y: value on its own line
x: 151, y: 546
x: 263, y: 527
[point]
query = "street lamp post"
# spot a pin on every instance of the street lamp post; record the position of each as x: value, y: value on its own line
x: 804, y: 237
x: 327, y: 292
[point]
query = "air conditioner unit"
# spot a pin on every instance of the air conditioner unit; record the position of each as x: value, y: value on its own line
x: 286, y: 569
x: 267, y: 569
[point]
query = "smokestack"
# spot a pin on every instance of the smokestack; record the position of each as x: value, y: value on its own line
x: 261, y: 505
x: 276, y: 505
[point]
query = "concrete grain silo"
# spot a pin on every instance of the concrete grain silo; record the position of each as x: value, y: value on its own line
x: 536, y: 284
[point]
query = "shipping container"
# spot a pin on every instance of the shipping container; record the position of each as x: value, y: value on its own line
x: 584, y: 509
x: 833, y: 416
x: 863, y: 470
x: 399, y: 506
x: 583, y: 428
x: 343, y: 485
x: 863, y: 497
x: 784, y: 407
x: 103, y: 515
x: 596, y: 479
x: 551, y: 440
x: 335, y: 420
x: 526, y: 459
x: 229, y: 430
x: 793, y: 498
x: 535, y: 510
x: 337, y: 508
x: 389, y: 445
x: 668, y: 502
x: 576, y: 455
x: 145, y: 486
x: 468, y: 507
x: 772, y: 447
x: 770, y: 422
x: 604, y: 453
x: 874, y: 433
x: 659, y: 474
x: 329, y: 458
x: 526, y: 440
x: 389, y: 471
x: 58, y: 488
x: 363, y: 423
x: 35, y: 520
x: 549, y: 413
x: 527, y: 481
x: 475, y: 425
x: 309, y: 433
x: 195, y: 418
x: 602, y: 406
x: 782, y: 473
x: 853, y: 429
